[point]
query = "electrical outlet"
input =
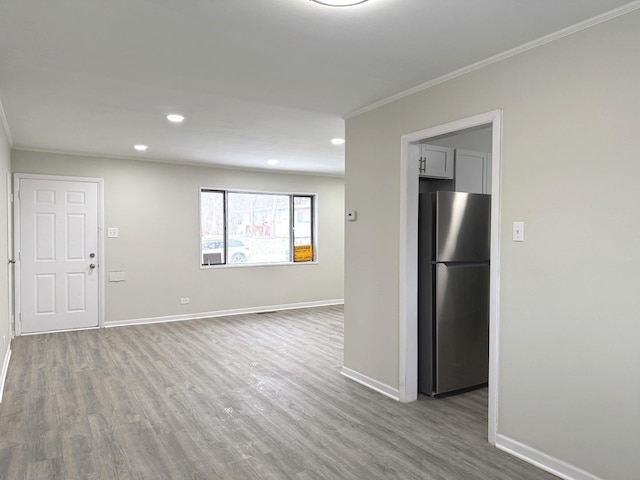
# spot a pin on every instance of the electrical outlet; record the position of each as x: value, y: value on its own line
x: 184, y: 301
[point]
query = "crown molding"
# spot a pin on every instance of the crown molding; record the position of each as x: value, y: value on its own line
x: 617, y: 12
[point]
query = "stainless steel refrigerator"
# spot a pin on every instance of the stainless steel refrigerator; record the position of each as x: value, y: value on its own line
x: 453, y: 303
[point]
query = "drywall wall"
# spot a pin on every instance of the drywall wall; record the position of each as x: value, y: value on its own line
x: 156, y: 208
x: 478, y: 140
x: 569, y: 360
x: 5, y: 317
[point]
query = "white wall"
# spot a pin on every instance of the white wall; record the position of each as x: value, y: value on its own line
x: 569, y: 358
x: 156, y: 208
x: 5, y: 320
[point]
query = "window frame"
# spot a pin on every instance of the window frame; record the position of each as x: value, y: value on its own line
x: 225, y: 191
x: 293, y: 220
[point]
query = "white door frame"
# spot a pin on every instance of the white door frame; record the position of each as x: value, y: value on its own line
x: 10, y: 258
x: 408, y: 280
x: 16, y: 228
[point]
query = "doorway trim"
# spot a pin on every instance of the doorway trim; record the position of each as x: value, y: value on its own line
x: 408, y: 278
x: 10, y: 259
x: 16, y: 229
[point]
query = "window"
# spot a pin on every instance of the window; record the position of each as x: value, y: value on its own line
x: 255, y: 227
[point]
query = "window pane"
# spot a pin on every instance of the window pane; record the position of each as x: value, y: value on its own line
x: 212, y: 227
x: 303, y: 228
x: 258, y: 228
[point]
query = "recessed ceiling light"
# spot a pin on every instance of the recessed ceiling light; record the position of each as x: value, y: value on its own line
x: 175, y: 118
x: 337, y: 141
x: 140, y: 147
x: 339, y: 3
x: 273, y: 161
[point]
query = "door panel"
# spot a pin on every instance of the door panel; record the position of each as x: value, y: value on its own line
x: 462, y: 326
x: 436, y: 161
x: 75, y: 237
x: 58, y: 232
x: 463, y: 227
x: 45, y: 237
x: 470, y: 171
x: 45, y: 293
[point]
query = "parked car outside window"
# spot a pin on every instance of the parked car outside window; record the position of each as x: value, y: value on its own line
x: 238, y: 252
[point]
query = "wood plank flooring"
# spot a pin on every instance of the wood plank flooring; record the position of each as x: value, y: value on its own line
x: 243, y: 397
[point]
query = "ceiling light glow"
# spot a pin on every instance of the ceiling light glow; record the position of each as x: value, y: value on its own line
x: 140, y: 147
x: 273, y: 161
x: 337, y: 141
x: 175, y: 118
x: 339, y: 3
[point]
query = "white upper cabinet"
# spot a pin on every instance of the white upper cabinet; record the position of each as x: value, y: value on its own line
x: 433, y: 161
x: 472, y: 172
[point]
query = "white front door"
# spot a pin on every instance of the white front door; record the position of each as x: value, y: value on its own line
x: 58, y: 254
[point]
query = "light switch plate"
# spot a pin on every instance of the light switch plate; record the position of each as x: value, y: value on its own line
x: 112, y: 232
x: 518, y: 231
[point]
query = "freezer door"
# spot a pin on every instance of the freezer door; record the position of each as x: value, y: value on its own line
x: 462, y: 227
x: 462, y: 326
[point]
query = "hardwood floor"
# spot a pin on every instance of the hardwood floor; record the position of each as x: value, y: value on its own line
x: 243, y: 397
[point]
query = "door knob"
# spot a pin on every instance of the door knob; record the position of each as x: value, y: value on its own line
x: 91, y: 255
x: 92, y: 266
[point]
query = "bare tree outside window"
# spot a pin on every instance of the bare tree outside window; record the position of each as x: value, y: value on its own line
x: 212, y: 212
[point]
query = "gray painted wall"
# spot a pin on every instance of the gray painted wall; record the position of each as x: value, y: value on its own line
x: 569, y: 358
x: 156, y: 208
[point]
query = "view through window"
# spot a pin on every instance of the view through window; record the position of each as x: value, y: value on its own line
x: 256, y: 227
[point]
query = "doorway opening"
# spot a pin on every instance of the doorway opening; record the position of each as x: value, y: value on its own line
x: 408, y: 281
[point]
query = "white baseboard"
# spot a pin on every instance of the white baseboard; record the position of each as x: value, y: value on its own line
x: 371, y: 383
x: 541, y: 460
x: 223, y: 313
x: 5, y: 369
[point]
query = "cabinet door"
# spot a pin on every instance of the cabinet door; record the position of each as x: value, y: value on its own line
x: 470, y: 171
x: 415, y: 156
x: 462, y: 326
x: 436, y: 162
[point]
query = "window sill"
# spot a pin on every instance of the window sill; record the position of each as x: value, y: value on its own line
x: 251, y: 265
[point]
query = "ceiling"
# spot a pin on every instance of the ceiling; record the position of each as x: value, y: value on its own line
x: 255, y: 79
